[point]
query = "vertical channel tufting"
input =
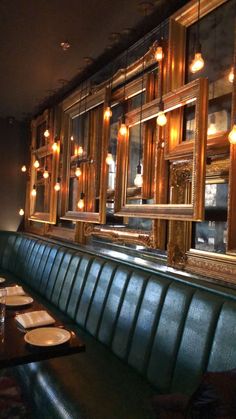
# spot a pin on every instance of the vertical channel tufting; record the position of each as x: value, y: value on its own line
x: 127, y: 315
x: 100, y: 296
x: 88, y: 290
x: 54, y: 249
x: 36, y: 283
x: 168, y: 335
x: 36, y: 263
x: 49, y: 284
x: 31, y: 262
x: 223, y: 351
x: 15, y: 254
x: 113, y: 304
x: 80, y: 278
x: 3, y: 240
x: 199, y: 329
x: 147, y: 320
x: 9, y: 245
x: 21, y: 255
x: 61, y: 276
x: 68, y: 282
x: 26, y: 256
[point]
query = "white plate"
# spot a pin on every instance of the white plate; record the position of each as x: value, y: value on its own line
x: 18, y: 300
x: 47, y: 336
x: 2, y: 279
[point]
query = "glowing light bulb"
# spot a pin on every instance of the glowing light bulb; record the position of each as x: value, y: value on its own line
x: 78, y: 172
x: 107, y: 113
x: 72, y: 138
x: 23, y: 169
x: 21, y: 212
x: 80, y: 204
x: 57, y: 186
x: 197, y: 64
x: 232, y: 135
x: 109, y: 159
x: 161, y: 119
x: 159, y: 55
x: 138, y: 180
x: 36, y: 164
x: 46, y: 133
x: 80, y: 150
x: 45, y: 173
x: 34, y: 192
x: 123, y: 130
x: 55, y: 146
x: 231, y: 75
x: 211, y: 129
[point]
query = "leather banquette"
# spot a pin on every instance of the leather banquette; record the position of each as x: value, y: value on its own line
x: 145, y: 331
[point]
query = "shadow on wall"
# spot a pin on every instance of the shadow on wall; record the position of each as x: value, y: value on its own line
x: 14, y: 146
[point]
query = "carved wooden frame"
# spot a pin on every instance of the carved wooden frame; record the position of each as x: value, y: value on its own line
x: 46, y: 150
x: 73, y: 107
x: 196, y: 90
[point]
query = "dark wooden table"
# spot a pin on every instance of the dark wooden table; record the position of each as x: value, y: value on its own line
x: 15, y: 351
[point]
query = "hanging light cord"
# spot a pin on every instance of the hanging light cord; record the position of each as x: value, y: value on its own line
x: 198, y: 26
x: 141, y: 105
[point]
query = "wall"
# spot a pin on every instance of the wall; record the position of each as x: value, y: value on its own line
x: 14, y: 152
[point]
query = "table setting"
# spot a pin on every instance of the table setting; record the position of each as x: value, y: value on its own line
x: 28, y: 331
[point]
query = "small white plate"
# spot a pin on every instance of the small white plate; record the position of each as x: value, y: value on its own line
x: 47, y: 336
x: 18, y: 300
x: 2, y: 279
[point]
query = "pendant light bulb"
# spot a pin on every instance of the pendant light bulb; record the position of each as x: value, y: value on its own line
x: 21, y: 212
x: 107, y: 113
x: 231, y: 75
x: 232, y: 135
x: 23, y: 169
x: 34, y: 192
x: 78, y: 172
x: 36, y: 164
x: 211, y: 129
x: 197, y: 63
x: 72, y: 138
x: 123, y: 130
x: 45, y: 173
x: 80, y: 151
x: 161, y: 119
x: 80, y: 204
x: 138, y: 180
x: 109, y: 159
x: 57, y: 186
x: 46, y: 133
x: 55, y: 146
x: 159, y: 55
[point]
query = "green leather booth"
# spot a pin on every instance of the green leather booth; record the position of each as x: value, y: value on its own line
x: 146, y: 331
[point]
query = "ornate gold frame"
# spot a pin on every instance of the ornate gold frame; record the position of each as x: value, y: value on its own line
x: 198, y: 91
x: 73, y: 107
x: 51, y: 216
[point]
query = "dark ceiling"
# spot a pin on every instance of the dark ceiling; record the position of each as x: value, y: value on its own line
x: 33, y: 66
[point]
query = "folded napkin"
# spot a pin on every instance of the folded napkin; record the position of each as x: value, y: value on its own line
x: 34, y: 319
x: 15, y: 290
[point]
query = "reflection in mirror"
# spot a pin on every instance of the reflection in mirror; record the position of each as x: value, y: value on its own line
x: 189, y: 122
x: 211, y: 234
x: 217, y: 40
x: 135, y: 161
x: 43, y: 184
x: 40, y: 138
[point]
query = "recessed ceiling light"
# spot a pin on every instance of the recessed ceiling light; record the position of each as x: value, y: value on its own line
x: 65, y: 45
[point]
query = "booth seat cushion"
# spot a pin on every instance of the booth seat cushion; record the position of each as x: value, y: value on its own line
x: 94, y: 384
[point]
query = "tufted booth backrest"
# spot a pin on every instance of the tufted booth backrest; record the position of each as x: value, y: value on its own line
x: 169, y: 330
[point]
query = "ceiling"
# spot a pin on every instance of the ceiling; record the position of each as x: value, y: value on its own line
x: 33, y: 66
